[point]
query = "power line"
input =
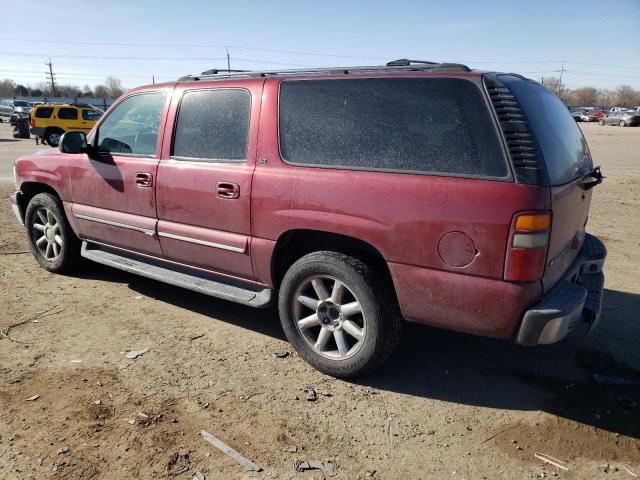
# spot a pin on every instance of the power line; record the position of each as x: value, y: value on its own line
x: 292, y: 52
x: 17, y: 54
x: 187, y: 45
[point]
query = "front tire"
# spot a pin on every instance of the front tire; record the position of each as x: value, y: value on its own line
x: 339, y: 314
x: 51, y: 239
x: 622, y: 123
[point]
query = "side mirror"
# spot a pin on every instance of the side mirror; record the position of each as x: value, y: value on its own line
x: 73, y: 142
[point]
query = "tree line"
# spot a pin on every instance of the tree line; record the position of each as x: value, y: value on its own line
x: 112, y: 88
x: 622, y: 96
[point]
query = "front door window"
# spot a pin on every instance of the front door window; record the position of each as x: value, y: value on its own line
x: 131, y: 129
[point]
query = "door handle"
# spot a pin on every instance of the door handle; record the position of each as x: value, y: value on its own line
x: 227, y: 190
x: 144, y: 179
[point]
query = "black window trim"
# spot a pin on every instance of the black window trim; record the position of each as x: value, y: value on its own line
x: 96, y: 140
x: 476, y: 81
x: 210, y: 160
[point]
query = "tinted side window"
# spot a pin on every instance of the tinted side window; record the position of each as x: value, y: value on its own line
x: 88, y: 114
x: 68, y: 114
x: 436, y: 125
x: 564, y: 148
x: 132, y: 127
x: 213, y: 124
x: 44, y: 112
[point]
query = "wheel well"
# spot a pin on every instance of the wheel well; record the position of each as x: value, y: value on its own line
x: 295, y: 244
x: 52, y: 129
x: 30, y: 190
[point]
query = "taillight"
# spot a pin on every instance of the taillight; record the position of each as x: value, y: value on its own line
x: 33, y: 122
x: 527, y: 249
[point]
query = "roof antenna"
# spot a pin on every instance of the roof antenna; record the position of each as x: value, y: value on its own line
x: 228, y: 61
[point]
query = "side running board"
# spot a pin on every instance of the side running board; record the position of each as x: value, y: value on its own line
x: 219, y: 287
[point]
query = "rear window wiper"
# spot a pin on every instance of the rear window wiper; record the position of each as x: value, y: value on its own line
x: 593, y: 178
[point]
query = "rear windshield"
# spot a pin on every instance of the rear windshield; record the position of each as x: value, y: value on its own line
x: 564, y: 148
x: 422, y: 125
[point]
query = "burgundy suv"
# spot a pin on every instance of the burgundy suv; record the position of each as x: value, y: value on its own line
x: 354, y: 198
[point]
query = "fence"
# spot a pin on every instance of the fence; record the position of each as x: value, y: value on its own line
x: 101, y: 103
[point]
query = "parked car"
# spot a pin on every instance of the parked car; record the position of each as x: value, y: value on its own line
x: 578, y: 114
x: 9, y: 107
x: 621, y: 118
x: 592, y: 115
x: 353, y: 198
x: 50, y: 120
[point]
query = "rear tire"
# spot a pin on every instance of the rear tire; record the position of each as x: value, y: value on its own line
x: 51, y: 239
x: 338, y: 314
x: 52, y: 136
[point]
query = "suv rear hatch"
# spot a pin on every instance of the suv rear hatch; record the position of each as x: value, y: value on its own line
x: 559, y: 142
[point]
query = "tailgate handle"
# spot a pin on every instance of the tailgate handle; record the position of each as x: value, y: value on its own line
x: 228, y: 190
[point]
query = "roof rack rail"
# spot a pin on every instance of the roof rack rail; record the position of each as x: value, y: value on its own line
x: 405, y: 62
x: 216, y: 71
x: 396, y: 65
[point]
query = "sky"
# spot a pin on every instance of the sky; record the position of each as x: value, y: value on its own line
x: 139, y: 40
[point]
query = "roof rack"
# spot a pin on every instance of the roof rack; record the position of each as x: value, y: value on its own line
x: 402, y: 64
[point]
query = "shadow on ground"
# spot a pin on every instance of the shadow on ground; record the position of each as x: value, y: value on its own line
x: 458, y: 368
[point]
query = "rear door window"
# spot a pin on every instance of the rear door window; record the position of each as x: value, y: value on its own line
x: 421, y: 125
x: 563, y: 146
x: 68, y: 114
x: 213, y: 125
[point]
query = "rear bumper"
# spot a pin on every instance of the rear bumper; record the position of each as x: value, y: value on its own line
x: 573, y: 304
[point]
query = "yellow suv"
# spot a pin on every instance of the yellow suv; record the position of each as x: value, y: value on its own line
x: 50, y: 120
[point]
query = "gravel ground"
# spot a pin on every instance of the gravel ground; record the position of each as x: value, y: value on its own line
x: 446, y: 405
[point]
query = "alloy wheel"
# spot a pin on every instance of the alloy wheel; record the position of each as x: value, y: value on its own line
x: 329, y: 317
x: 46, y: 234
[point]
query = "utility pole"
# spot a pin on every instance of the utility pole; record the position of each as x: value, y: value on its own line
x: 228, y: 61
x: 560, y: 83
x: 51, y: 76
x: 153, y: 79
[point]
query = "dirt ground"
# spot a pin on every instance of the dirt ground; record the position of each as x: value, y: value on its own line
x: 446, y: 405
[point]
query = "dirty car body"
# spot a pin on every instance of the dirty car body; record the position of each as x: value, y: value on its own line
x: 445, y: 187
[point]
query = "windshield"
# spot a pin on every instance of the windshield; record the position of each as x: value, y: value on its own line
x: 18, y: 103
x: 564, y: 148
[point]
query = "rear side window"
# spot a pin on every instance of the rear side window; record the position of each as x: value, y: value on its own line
x: 68, y: 114
x: 424, y: 125
x: 44, y: 112
x: 213, y: 125
x: 563, y: 146
x: 88, y: 114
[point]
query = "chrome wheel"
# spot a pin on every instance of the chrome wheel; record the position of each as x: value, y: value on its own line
x: 46, y: 234
x: 329, y: 317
